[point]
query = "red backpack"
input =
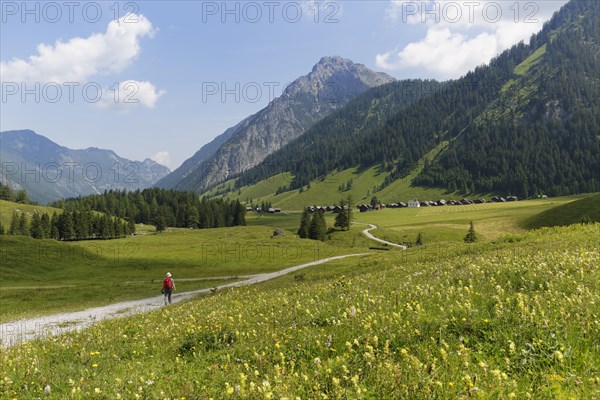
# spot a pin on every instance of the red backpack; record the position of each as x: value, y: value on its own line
x: 168, y: 283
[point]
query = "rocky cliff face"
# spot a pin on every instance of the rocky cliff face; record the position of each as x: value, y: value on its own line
x: 48, y: 171
x: 332, y: 82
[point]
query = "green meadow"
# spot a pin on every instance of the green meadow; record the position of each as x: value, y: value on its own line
x: 46, y: 276
x: 451, y: 223
x: 511, y: 319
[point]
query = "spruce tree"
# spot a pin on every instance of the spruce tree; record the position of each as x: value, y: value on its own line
x: 23, y: 225
x: 304, y: 224
x: 45, y: 226
x: 341, y: 219
x: 318, y: 228
x: 14, y: 224
x: 36, y: 226
x: 471, y: 236
x: 160, y: 223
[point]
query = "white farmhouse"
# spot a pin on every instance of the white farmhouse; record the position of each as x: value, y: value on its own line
x: 414, y: 203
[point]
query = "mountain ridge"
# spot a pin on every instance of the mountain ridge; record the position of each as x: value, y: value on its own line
x: 49, y: 171
x: 332, y: 82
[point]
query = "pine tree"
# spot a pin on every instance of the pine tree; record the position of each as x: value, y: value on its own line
x: 318, y: 227
x: 14, y: 224
x: 45, y: 226
x: 341, y: 219
x: 36, y: 226
x: 23, y: 225
x: 131, y: 225
x: 6, y: 192
x: 304, y: 224
x: 374, y: 201
x: 160, y: 223
x: 349, y: 210
x: 471, y: 236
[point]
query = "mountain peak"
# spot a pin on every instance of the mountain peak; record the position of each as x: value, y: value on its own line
x: 333, y: 82
x: 335, y: 79
x: 334, y: 60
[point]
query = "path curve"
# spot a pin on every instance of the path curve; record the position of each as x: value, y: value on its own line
x: 368, y: 234
x: 15, y: 332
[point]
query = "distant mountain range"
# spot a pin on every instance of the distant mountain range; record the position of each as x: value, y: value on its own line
x: 332, y: 82
x: 48, y: 171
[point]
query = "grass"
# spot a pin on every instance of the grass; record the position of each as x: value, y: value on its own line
x: 46, y: 276
x: 530, y: 61
x: 322, y: 191
x: 516, y: 318
x: 403, y: 189
x: 261, y: 190
x: 450, y: 223
x: 7, y: 208
x: 325, y: 191
x: 102, y: 272
x: 586, y: 209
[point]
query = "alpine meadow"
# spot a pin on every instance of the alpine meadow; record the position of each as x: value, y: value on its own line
x: 420, y: 220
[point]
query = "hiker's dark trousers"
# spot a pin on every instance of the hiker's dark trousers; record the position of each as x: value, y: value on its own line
x: 168, y: 293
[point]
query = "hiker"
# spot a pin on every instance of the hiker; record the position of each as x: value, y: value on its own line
x: 168, y: 287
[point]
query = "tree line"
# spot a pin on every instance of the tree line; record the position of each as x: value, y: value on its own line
x: 74, y: 225
x: 314, y: 226
x: 162, y: 208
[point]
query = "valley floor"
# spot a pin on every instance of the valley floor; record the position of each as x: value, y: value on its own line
x: 15, y: 332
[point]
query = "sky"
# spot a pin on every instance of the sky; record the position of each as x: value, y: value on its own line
x: 159, y: 79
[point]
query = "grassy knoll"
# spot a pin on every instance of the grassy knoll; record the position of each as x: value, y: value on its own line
x: 43, y: 276
x: 517, y: 318
x: 584, y: 210
x: 7, y: 208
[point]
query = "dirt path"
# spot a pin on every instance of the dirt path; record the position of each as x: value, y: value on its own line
x: 19, y: 331
x: 368, y: 234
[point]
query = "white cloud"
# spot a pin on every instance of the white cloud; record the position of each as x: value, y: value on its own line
x: 78, y: 59
x: 162, y: 157
x: 462, y: 35
x: 130, y: 94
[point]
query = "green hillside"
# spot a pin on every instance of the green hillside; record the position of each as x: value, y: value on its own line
x: 7, y: 208
x: 540, y: 135
x: 493, y: 321
x: 439, y: 225
x: 525, y: 125
x: 326, y: 191
x: 583, y: 210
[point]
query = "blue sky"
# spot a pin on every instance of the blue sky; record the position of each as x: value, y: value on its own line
x: 154, y: 71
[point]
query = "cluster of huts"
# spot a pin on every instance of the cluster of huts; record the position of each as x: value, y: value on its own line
x: 438, y: 203
x: 334, y: 209
x: 270, y: 210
